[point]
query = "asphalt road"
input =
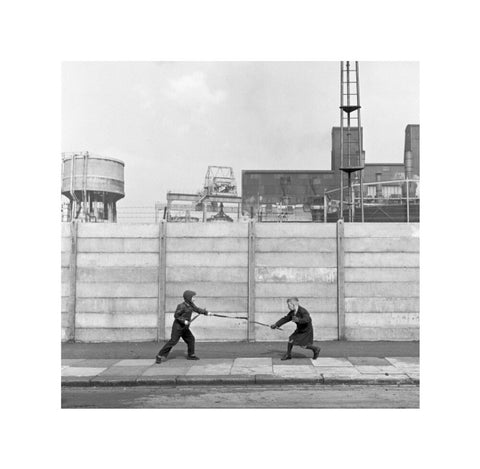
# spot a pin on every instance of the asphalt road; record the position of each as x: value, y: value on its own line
x: 295, y: 396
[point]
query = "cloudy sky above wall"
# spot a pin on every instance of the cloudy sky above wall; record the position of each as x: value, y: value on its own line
x: 168, y: 121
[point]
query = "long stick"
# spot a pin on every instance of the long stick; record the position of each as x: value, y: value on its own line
x: 242, y: 317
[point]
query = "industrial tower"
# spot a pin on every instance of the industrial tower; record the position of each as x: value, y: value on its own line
x: 352, y: 157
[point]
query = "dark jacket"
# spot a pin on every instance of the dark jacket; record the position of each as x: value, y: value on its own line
x: 184, y: 310
x: 303, y: 335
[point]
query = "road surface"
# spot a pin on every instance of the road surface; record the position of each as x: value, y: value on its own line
x: 256, y: 396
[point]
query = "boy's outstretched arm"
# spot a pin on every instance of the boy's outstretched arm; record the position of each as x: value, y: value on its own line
x: 282, y: 321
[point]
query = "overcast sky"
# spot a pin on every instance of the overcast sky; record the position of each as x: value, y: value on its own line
x: 168, y: 121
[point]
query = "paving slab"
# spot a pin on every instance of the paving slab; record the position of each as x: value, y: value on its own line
x: 77, y: 371
x: 330, y: 361
x: 368, y: 361
x: 167, y: 371
x: 124, y: 371
x: 137, y: 362
x: 341, y: 370
x: 96, y: 363
x: 176, y: 363
x: 379, y: 370
x: 292, y: 362
x: 404, y: 361
x: 300, y: 370
x: 212, y: 361
x: 214, y: 369
x: 251, y: 370
x: 252, y: 362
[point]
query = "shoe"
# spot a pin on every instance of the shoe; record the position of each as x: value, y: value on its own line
x: 158, y: 359
x: 192, y: 357
x: 286, y: 357
x: 316, y: 353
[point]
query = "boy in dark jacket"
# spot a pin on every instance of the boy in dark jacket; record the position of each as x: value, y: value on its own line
x: 303, y: 335
x: 181, y: 329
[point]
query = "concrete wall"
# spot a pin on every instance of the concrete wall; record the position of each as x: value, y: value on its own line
x: 123, y: 282
x: 382, y: 281
x: 296, y: 260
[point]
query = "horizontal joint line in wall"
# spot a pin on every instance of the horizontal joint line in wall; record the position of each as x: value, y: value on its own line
x: 204, y: 251
x: 118, y: 297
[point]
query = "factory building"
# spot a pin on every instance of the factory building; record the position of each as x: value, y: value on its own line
x: 270, y: 194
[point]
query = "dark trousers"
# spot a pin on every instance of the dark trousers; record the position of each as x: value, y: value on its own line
x: 179, y: 331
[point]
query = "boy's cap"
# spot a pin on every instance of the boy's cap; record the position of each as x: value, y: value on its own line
x: 188, y: 295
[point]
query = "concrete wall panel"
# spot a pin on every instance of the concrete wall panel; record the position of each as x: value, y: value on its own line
x: 301, y: 290
x: 208, y: 289
x: 117, y: 274
x: 207, y: 230
x: 384, y: 333
x: 207, y: 245
x: 382, y: 320
x: 117, y: 259
x: 278, y: 305
x: 381, y: 305
x: 376, y: 274
x: 376, y: 259
x: 117, y: 290
x: 296, y: 230
x: 296, y: 245
x: 117, y: 305
x: 291, y: 259
x: 134, y: 245
x: 382, y: 244
x: 382, y: 289
x: 207, y: 259
x: 117, y: 230
x: 296, y: 274
x: 65, y: 259
x: 120, y: 334
x: 207, y: 274
x: 382, y: 230
x: 66, y: 244
x: 115, y: 320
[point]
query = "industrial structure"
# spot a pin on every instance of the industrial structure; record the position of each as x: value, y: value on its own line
x: 352, y: 157
x: 314, y: 195
x: 219, y: 194
x: 92, y: 184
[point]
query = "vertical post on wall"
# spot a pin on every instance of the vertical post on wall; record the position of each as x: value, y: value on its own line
x: 72, y: 301
x: 251, y: 282
x: 325, y: 206
x: 408, y: 201
x: 162, y: 279
x: 340, y: 280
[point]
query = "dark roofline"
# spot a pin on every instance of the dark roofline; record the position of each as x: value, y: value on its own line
x: 283, y: 171
x: 384, y: 164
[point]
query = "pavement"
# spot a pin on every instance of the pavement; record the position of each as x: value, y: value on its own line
x: 223, y: 363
